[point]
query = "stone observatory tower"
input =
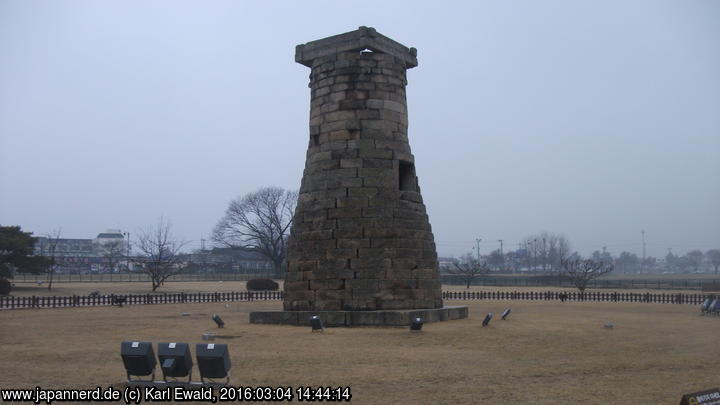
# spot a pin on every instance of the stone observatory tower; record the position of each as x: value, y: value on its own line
x: 361, y: 240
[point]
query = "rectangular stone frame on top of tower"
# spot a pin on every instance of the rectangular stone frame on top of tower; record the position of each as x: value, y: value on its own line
x: 360, y: 239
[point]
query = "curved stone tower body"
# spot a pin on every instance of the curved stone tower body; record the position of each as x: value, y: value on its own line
x: 360, y: 238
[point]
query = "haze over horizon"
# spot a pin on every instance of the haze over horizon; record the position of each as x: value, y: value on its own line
x: 591, y: 120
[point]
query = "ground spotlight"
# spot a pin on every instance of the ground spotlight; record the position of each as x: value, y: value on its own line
x: 213, y: 361
x: 175, y: 360
x: 138, y: 358
x: 506, y: 313
x: 416, y: 325
x: 705, y: 307
x: 218, y: 321
x: 715, y: 306
x: 316, y: 323
x: 487, y: 319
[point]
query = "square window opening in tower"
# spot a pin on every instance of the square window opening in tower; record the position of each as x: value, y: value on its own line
x: 407, y: 177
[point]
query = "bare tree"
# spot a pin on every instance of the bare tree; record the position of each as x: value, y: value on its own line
x: 695, y: 257
x: 513, y: 259
x: 468, y: 268
x: 649, y: 263
x: 49, y: 250
x: 683, y: 263
x: 259, y: 222
x: 627, y: 261
x: 713, y: 256
x: 557, y: 247
x: 530, y: 248
x: 113, y: 252
x: 496, y: 259
x: 603, y: 256
x: 671, y: 261
x: 545, y: 250
x: 580, y: 271
x: 202, y: 259
x: 158, y: 253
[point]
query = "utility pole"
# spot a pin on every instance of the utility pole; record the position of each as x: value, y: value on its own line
x: 502, y: 257
x: 202, y: 244
x: 478, y: 248
x: 127, y: 256
x: 642, y: 265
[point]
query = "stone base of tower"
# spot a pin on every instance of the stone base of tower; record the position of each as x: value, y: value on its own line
x: 393, y: 317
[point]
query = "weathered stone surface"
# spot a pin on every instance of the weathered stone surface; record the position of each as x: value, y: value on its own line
x: 275, y: 317
x: 361, y: 238
x: 360, y: 318
x: 341, y: 49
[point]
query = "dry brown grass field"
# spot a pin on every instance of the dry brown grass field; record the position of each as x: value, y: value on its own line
x: 546, y: 353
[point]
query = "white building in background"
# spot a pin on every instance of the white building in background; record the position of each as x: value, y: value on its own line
x: 110, y: 236
x: 83, y: 255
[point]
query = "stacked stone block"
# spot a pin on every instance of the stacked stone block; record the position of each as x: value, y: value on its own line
x: 361, y: 238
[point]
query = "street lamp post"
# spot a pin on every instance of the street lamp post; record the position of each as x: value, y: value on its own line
x: 127, y: 254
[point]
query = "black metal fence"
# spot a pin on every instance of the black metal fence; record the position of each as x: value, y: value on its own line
x: 679, y: 298
x: 134, y: 299
x: 176, y: 298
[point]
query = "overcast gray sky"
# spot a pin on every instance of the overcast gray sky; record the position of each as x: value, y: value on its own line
x: 590, y: 119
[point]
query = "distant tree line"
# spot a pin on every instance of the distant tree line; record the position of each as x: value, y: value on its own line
x: 544, y: 253
x: 260, y: 221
